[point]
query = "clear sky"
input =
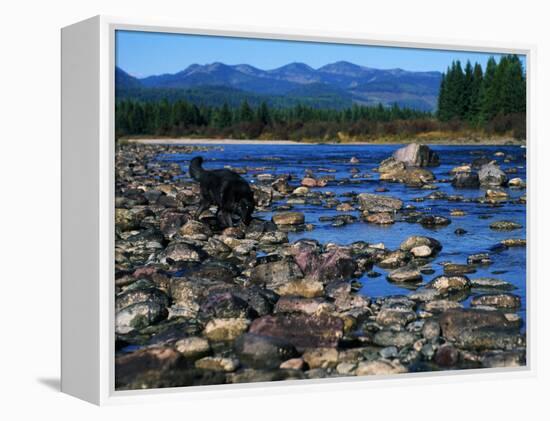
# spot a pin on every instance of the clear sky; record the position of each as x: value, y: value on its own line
x: 150, y: 53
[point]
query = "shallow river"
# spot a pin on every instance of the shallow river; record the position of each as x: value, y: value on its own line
x: 509, y: 264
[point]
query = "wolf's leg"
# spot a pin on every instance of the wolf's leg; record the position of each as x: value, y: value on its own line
x: 202, y: 207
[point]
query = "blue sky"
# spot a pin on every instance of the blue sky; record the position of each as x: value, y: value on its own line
x: 149, y: 53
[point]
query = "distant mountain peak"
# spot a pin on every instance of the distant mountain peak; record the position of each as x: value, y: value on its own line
x: 344, y: 68
x: 296, y: 66
x: 343, y: 79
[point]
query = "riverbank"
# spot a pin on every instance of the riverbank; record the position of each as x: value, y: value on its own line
x: 204, y: 141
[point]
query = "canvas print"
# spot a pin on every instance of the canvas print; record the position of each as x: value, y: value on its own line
x: 302, y: 210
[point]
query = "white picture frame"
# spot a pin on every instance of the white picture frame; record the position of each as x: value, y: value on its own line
x: 88, y: 212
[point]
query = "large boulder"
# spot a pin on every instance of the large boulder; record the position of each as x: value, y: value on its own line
x: 302, y: 330
x: 490, y: 175
x: 417, y: 155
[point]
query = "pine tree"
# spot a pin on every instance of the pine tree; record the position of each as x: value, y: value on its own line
x: 245, y: 113
x: 466, y: 96
x: 263, y: 114
x: 442, y: 108
x: 513, y: 87
x: 489, y: 91
x: 474, y: 103
x: 223, y: 117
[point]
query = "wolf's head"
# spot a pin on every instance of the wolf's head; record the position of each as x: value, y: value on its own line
x: 195, y: 168
x: 244, y: 209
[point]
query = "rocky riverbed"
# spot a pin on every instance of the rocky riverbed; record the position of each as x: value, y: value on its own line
x: 198, y: 304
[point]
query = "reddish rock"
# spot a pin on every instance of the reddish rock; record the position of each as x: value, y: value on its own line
x: 446, y: 356
x: 303, y: 331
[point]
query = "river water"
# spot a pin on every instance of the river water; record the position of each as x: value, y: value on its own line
x: 508, y: 264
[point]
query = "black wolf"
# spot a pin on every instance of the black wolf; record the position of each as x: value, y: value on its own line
x: 224, y: 189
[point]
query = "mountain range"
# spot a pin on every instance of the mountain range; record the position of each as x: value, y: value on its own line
x: 335, y: 85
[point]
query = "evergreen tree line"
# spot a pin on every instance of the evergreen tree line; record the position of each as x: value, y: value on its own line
x: 182, y: 118
x: 478, y: 97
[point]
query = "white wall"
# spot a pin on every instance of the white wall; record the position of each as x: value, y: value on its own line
x: 29, y: 135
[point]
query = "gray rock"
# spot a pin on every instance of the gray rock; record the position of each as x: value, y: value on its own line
x: 505, y: 226
x: 138, y: 295
x: 502, y: 300
x: 275, y: 274
x: 394, y: 338
x: 389, y: 352
x: 378, y: 203
x: 479, y: 259
x: 488, y: 338
x: 138, y: 316
x: 491, y: 283
x: 405, y: 274
x: 490, y: 175
x: 262, y: 351
x: 182, y: 252
x: 417, y: 155
x: 392, y: 316
x: 456, y: 321
x: 499, y: 359
x: 431, y: 329
x: 445, y: 284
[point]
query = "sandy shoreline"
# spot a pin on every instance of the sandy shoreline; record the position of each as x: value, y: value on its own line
x: 188, y: 141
